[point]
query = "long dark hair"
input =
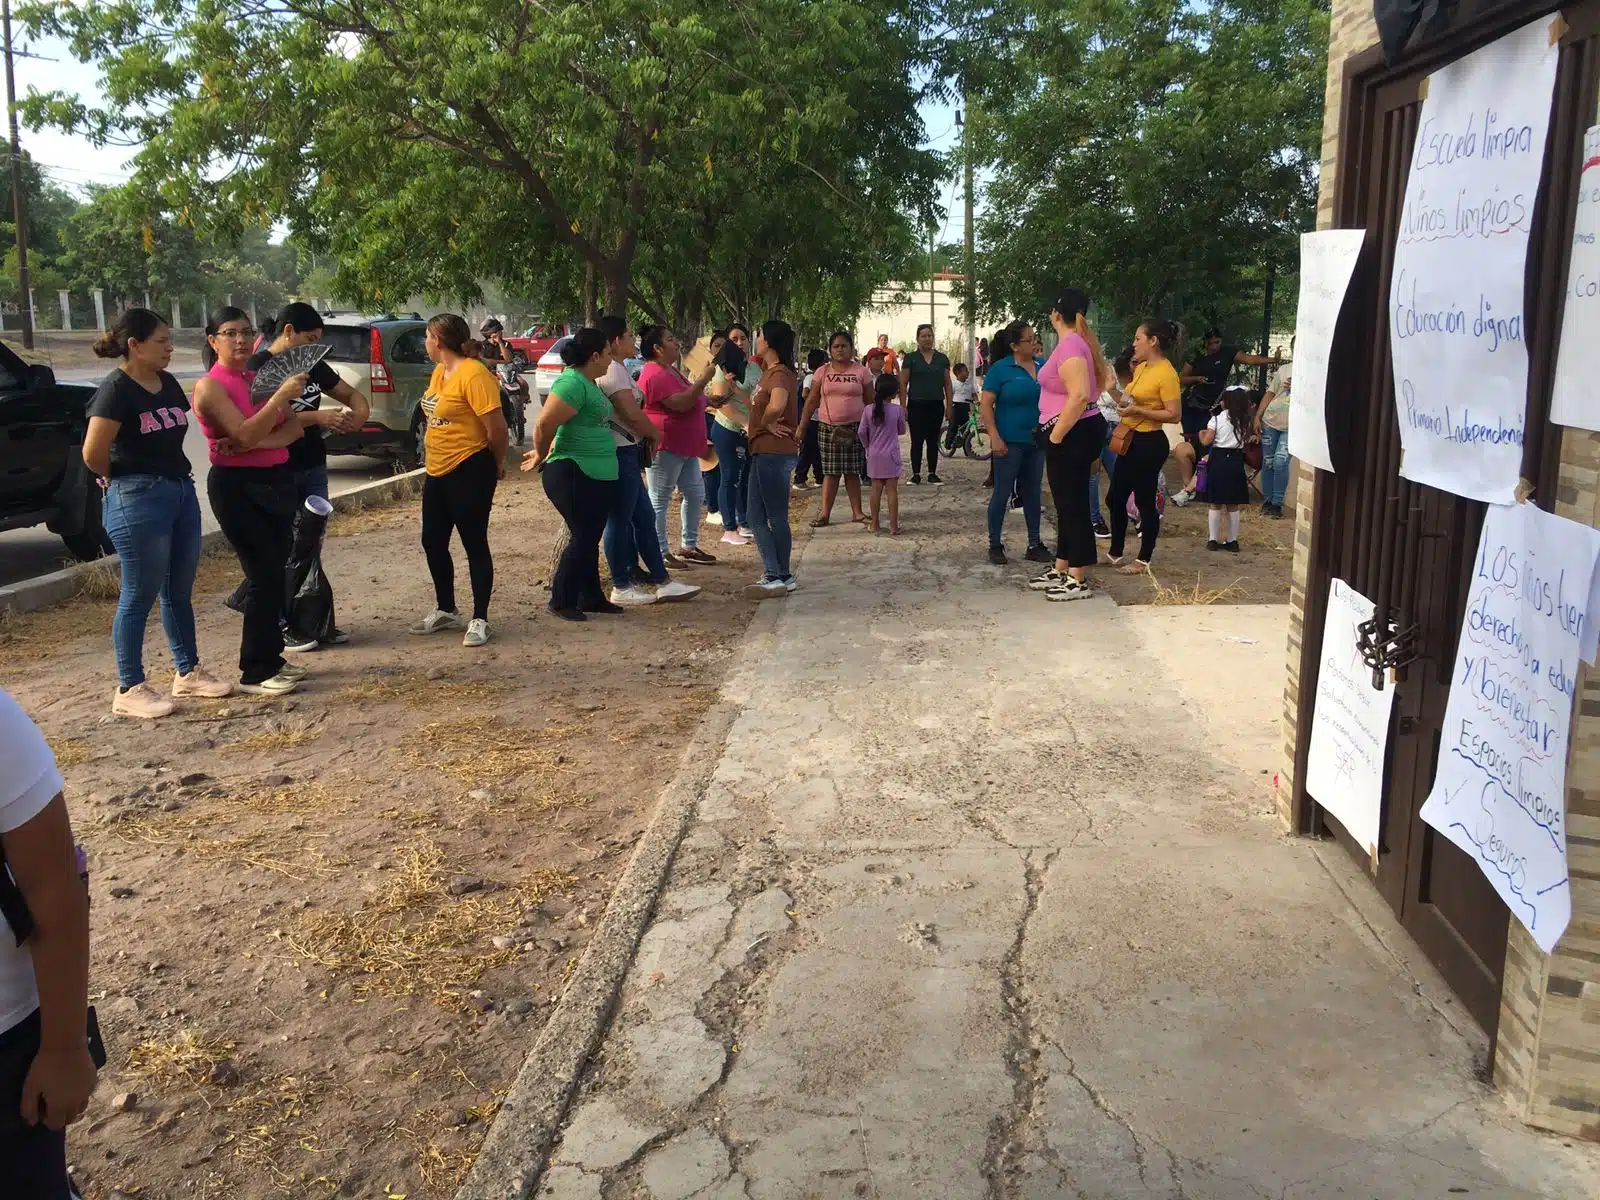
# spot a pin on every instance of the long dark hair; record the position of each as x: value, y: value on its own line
x: 1239, y: 404
x: 582, y: 347
x: 299, y: 314
x: 650, y: 339
x: 135, y: 325
x: 208, y: 356
x: 887, y: 385
x: 1166, y: 334
x: 779, y: 336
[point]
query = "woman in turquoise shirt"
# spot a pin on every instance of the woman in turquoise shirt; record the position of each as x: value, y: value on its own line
x: 573, y: 446
x: 1009, y: 403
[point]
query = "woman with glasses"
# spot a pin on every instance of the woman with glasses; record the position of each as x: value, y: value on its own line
x: 1009, y: 404
x: 251, y: 489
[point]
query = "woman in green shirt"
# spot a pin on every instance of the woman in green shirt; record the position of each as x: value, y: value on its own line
x: 573, y: 447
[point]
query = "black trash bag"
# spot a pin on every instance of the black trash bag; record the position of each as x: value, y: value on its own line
x: 310, y: 593
x: 236, y: 601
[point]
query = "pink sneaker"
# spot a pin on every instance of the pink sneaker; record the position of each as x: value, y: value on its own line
x: 732, y: 538
x: 200, y: 682
x: 141, y: 701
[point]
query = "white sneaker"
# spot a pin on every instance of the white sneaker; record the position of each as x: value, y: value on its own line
x: 290, y: 671
x: 767, y: 589
x: 278, y: 685
x: 747, y: 533
x: 142, y: 701
x: 437, y: 620
x: 734, y: 539
x: 200, y: 682
x: 477, y: 632
x: 713, y: 518
x: 632, y: 596
x: 1049, y: 581
x: 1072, y: 589
x: 791, y: 584
x: 673, y: 590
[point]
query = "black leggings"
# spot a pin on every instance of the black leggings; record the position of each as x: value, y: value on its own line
x: 1136, y: 474
x: 255, y: 508
x: 924, y: 421
x: 810, y: 459
x: 1068, y: 464
x: 460, y: 501
x: 584, y: 504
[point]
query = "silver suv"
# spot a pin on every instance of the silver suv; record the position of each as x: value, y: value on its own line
x: 385, y: 359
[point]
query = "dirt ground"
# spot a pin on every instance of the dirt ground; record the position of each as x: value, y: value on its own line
x: 327, y: 929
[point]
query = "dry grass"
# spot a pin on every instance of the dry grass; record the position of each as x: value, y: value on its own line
x: 414, y: 938
x: 1166, y: 597
x: 445, y: 1156
x: 70, y: 752
x: 482, y: 750
x: 272, y: 1113
x: 416, y: 690
x: 257, y: 849
x: 282, y: 735
x: 187, y: 1059
x: 365, y: 520
x: 101, y: 580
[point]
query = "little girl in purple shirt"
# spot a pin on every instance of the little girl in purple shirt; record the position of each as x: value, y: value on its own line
x: 882, y: 424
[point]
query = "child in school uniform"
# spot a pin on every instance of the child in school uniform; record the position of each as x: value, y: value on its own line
x: 1227, y: 487
x: 883, y: 423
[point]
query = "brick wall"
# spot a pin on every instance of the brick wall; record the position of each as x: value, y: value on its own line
x: 1547, y: 1056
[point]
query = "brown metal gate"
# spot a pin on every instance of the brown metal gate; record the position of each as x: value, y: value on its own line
x: 1409, y: 547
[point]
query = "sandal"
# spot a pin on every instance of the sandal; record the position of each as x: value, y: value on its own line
x: 1136, y: 567
x: 820, y: 523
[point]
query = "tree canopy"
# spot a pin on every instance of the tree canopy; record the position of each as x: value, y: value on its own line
x: 664, y: 155
x: 1156, y: 153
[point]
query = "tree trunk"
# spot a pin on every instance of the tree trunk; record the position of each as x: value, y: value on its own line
x: 619, y: 275
x: 590, y: 315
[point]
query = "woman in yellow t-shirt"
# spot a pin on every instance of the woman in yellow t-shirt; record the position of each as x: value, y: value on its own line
x: 1150, y: 401
x: 464, y: 452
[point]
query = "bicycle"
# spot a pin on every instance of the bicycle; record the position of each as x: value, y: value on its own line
x: 973, y: 438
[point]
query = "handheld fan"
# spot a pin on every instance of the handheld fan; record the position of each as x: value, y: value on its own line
x: 292, y: 362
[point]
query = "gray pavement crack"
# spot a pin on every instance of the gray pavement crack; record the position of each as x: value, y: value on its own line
x: 1008, y: 1132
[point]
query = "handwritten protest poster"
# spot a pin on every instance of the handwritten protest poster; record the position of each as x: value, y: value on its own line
x: 1576, y: 399
x: 1350, y: 724
x: 1499, y: 790
x: 1327, y: 260
x: 1455, y: 299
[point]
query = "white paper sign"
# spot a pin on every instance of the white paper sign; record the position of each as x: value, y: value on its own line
x: 1455, y: 300
x: 1499, y: 790
x: 1576, y: 399
x: 1327, y: 260
x: 1350, y: 724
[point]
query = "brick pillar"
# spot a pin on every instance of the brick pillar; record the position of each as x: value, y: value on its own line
x: 66, y: 310
x: 100, y: 309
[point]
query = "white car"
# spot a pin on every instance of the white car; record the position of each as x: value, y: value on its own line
x: 549, y: 368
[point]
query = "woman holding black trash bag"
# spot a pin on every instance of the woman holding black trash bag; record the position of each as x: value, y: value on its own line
x: 301, y: 325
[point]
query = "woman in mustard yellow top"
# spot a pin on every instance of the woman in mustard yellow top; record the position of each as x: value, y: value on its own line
x: 1150, y: 402
x: 464, y: 452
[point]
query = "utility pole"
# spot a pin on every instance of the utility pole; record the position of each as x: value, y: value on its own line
x: 1266, y: 325
x: 18, y: 207
x: 969, y: 266
x: 933, y: 320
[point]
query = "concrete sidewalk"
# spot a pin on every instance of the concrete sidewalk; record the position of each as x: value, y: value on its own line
x: 985, y: 899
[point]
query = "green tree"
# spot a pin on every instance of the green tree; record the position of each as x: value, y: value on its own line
x: 1156, y: 153
x: 429, y: 145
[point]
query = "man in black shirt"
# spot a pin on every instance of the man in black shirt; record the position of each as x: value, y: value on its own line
x: 1203, y: 378
x: 297, y: 325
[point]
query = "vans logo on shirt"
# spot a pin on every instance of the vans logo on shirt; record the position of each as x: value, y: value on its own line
x: 154, y: 420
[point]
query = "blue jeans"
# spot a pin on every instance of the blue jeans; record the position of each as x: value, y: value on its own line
x: 630, y: 527
x: 1274, y: 463
x: 770, y: 478
x: 680, y: 471
x: 733, y: 467
x: 1022, y: 464
x: 154, y: 523
x: 1108, y: 460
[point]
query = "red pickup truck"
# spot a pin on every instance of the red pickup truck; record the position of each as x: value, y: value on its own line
x: 536, y: 340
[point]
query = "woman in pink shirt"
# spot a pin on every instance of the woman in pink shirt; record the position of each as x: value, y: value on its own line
x: 840, y: 391
x: 678, y: 408
x: 1072, y: 433
x: 251, y: 489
